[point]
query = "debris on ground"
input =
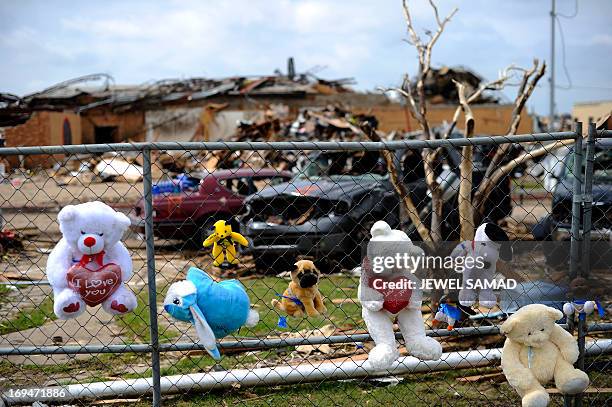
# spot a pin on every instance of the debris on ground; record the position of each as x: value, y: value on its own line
x: 332, y: 123
x: 118, y: 169
x: 9, y: 240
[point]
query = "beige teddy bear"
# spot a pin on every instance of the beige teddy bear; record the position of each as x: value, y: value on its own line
x: 538, y: 350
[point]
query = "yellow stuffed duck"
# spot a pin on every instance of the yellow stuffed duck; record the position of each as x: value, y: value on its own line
x: 223, y: 240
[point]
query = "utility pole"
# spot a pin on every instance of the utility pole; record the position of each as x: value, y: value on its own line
x: 551, y: 115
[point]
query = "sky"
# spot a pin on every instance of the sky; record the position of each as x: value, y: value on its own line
x: 45, y: 42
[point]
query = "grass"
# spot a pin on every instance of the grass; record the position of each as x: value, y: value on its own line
x: 29, y: 317
x: 425, y: 389
x: 262, y: 291
x: 441, y: 388
x: 4, y: 291
x: 419, y: 389
x: 413, y: 390
x: 137, y: 323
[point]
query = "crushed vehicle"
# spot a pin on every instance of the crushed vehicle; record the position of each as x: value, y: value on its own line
x: 322, y: 212
x: 189, y: 214
x: 557, y: 225
x: 326, y: 210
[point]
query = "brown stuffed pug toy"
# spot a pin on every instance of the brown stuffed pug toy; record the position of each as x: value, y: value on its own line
x: 302, y: 295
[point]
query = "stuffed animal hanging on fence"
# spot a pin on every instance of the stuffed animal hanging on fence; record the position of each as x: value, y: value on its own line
x: 582, y: 308
x: 447, y: 312
x: 302, y: 296
x: 216, y: 309
x: 390, y: 294
x: 536, y: 351
x: 223, y: 240
x: 89, y: 265
x: 481, y: 254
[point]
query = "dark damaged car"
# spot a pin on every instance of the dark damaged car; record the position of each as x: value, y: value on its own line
x: 327, y: 210
x: 322, y: 213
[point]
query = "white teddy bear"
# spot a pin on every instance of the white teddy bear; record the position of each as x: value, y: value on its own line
x: 381, y: 306
x: 90, y: 265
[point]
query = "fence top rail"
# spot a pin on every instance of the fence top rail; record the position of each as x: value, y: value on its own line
x: 604, y: 133
x: 286, y: 145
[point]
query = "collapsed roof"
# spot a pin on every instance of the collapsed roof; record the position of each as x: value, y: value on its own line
x: 92, y: 91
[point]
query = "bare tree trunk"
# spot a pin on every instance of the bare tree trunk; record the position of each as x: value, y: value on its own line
x: 466, y: 216
x: 399, y: 186
x: 419, y: 111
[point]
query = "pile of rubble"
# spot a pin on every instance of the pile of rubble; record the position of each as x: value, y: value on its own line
x: 332, y: 123
x: 440, y: 85
x: 87, y: 168
x: 124, y: 166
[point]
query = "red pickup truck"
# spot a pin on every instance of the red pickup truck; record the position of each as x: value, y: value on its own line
x: 189, y: 215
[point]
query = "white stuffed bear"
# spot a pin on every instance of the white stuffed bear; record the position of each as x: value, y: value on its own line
x: 536, y: 351
x: 481, y: 254
x: 90, y: 265
x: 381, y: 306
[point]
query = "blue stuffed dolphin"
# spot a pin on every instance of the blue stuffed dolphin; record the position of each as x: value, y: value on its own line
x: 215, y: 308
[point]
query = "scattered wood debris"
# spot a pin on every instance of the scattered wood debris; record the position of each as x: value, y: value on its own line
x: 496, y: 377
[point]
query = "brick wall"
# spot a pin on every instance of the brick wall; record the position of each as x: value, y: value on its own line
x: 490, y: 119
x: 35, y: 132
x: 42, y: 129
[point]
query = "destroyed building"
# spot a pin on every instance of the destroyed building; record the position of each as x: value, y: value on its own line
x: 200, y: 109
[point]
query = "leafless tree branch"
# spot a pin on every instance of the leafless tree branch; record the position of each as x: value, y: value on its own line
x: 528, y: 84
x: 418, y: 108
x: 497, y: 84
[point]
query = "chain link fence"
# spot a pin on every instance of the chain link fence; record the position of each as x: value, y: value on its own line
x: 296, y: 201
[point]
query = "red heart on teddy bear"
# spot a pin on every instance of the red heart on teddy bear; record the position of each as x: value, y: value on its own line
x: 94, y: 286
x: 396, y: 298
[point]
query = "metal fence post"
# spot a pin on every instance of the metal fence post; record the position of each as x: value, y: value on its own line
x: 587, y: 198
x: 588, y: 202
x: 581, y: 347
x: 576, y: 204
x: 567, y: 399
x: 148, y: 206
